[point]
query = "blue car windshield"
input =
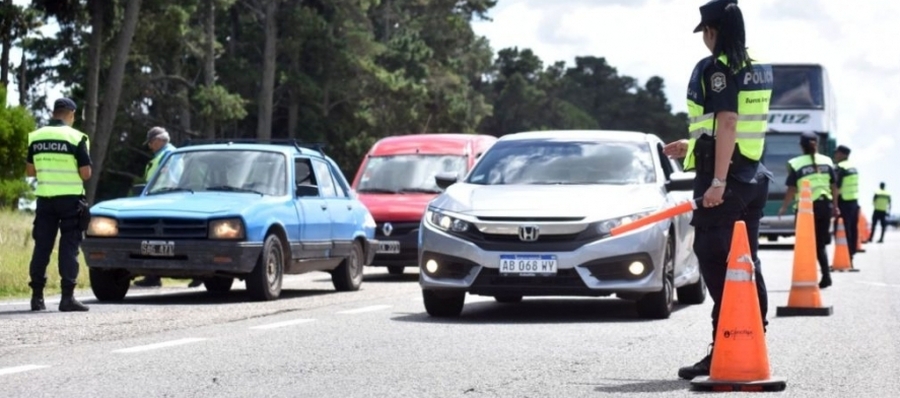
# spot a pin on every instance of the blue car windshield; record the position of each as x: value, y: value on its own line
x: 222, y: 170
x: 566, y: 162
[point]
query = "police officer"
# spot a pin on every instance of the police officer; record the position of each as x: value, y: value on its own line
x: 882, y: 203
x: 848, y: 185
x: 58, y: 156
x: 724, y: 149
x: 820, y: 172
x: 158, y: 142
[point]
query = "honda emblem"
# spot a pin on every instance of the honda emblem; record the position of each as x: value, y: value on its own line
x: 529, y: 233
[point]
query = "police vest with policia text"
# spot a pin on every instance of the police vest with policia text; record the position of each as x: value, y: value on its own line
x: 754, y: 93
x: 53, y: 149
x: 819, y: 176
x: 849, y: 182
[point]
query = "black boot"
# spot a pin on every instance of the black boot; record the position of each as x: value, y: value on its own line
x: 68, y: 303
x: 700, y: 368
x: 37, y: 301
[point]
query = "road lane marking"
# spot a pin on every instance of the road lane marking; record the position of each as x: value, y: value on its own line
x: 366, y: 309
x: 877, y: 284
x: 282, y: 324
x: 155, y: 346
x: 19, y: 369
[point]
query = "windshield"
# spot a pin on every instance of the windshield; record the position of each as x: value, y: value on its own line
x: 565, y: 162
x: 223, y: 170
x: 779, y: 148
x: 408, y: 173
x: 796, y: 87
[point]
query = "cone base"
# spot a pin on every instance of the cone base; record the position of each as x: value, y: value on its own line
x: 705, y: 383
x: 846, y: 270
x: 804, y: 311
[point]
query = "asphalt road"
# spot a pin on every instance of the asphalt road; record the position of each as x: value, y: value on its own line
x: 378, y: 342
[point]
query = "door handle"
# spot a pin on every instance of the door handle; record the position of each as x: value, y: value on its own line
x: 324, y: 207
x: 349, y: 207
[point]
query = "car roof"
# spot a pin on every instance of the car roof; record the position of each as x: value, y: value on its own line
x: 605, y: 135
x: 289, y: 150
x: 438, y: 143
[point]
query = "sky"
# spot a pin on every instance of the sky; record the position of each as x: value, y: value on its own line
x: 643, y: 38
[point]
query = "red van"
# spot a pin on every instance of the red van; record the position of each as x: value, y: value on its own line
x: 396, y: 182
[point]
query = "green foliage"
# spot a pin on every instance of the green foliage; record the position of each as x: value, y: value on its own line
x: 13, y: 189
x: 15, y: 124
x: 217, y: 103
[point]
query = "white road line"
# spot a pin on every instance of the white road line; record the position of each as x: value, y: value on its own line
x: 282, y: 324
x: 365, y: 309
x: 19, y: 369
x: 159, y: 345
x: 877, y: 284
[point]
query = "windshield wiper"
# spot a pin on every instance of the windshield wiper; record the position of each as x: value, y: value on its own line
x: 230, y: 188
x: 170, y: 189
x: 422, y: 190
x: 376, y: 190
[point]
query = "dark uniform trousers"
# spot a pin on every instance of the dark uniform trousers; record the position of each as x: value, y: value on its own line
x: 822, y: 213
x: 878, y: 216
x: 60, y: 213
x: 850, y: 214
x: 713, y: 230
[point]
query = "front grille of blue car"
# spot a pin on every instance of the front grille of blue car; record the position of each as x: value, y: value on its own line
x: 162, y: 227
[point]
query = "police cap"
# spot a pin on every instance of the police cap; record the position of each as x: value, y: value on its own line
x: 64, y: 103
x: 808, y: 136
x: 843, y: 149
x: 712, y: 11
x: 155, y: 133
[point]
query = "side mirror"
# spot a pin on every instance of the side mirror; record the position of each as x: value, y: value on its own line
x: 137, y: 189
x: 444, y: 180
x: 307, y: 190
x: 681, y: 181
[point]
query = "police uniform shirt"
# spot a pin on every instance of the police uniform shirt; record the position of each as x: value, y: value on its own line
x: 721, y: 95
x: 82, y: 155
x: 792, y: 177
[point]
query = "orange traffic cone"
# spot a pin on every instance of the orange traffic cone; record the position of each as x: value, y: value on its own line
x: 862, y: 233
x: 841, y: 251
x: 804, y: 298
x: 740, y: 358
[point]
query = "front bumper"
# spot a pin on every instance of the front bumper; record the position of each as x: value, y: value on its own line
x: 594, y: 268
x: 404, y: 236
x: 191, y: 257
x: 773, y: 225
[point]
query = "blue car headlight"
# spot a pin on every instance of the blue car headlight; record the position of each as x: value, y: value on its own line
x: 604, y: 227
x: 445, y: 222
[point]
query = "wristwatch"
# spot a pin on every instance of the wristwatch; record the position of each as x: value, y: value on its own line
x: 717, y: 183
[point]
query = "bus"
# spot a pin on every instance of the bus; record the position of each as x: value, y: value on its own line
x: 802, y: 100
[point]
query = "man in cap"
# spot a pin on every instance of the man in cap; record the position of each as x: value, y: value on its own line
x: 848, y: 185
x: 59, y: 158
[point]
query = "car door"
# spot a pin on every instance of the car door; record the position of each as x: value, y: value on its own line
x: 339, y: 205
x: 315, y: 220
x: 685, y: 261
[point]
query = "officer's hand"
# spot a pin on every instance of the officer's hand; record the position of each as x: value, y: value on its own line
x: 676, y: 149
x: 836, y: 212
x: 713, y: 196
x: 780, y: 212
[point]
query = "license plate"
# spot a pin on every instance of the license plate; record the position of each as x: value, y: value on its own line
x: 528, y: 264
x: 158, y: 248
x: 388, y: 247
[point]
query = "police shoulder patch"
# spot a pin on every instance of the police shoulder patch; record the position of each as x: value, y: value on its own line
x: 717, y: 82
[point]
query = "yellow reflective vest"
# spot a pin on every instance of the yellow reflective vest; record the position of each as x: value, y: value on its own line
x: 849, y: 181
x: 882, y: 200
x: 819, y: 176
x: 53, y: 149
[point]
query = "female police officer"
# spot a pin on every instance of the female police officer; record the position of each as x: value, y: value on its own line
x: 725, y: 146
x: 819, y: 171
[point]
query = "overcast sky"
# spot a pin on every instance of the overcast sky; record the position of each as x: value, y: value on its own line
x: 642, y: 38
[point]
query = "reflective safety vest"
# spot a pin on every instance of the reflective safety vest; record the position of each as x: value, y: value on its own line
x: 819, y: 177
x: 154, y: 163
x: 53, y: 149
x: 754, y: 93
x: 850, y: 182
x: 882, y: 200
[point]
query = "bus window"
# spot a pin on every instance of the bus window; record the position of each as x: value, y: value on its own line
x: 796, y: 87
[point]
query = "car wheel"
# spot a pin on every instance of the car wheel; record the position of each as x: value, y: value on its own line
x: 264, y: 282
x: 349, y: 275
x: 659, y: 305
x: 508, y: 299
x: 218, y: 285
x: 396, y: 270
x: 443, y: 304
x: 694, y: 293
x: 109, y: 285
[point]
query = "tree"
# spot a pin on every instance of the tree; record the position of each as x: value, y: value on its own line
x: 15, y: 124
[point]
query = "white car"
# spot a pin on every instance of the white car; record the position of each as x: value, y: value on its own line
x: 25, y: 204
x: 533, y: 218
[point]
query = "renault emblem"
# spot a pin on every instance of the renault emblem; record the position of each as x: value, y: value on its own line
x: 529, y: 233
x: 387, y: 229
x: 158, y: 228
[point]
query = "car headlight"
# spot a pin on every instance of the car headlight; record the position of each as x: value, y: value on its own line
x: 445, y: 222
x: 605, y: 226
x: 229, y: 228
x: 102, y: 226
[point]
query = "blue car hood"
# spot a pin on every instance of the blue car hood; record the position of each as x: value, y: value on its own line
x: 201, y: 203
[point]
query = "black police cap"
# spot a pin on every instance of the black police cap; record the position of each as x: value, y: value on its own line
x: 843, y: 149
x: 64, y: 103
x: 712, y: 11
x: 808, y: 136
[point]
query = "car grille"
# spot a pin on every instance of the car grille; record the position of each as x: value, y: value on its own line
x: 490, y: 277
x: 515, y: 238
x: 397, y: 229
x: 174, y: 228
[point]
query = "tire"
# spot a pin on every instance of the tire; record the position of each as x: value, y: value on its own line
x: 109, y: 285
x: 396, y: 270
x: 348, y: 276
x: 508, y: 299
x: 218, y: 285
x: 694, y: 293
x: 264, y: 282
x: 659, y: 305
x: 443, y: 304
